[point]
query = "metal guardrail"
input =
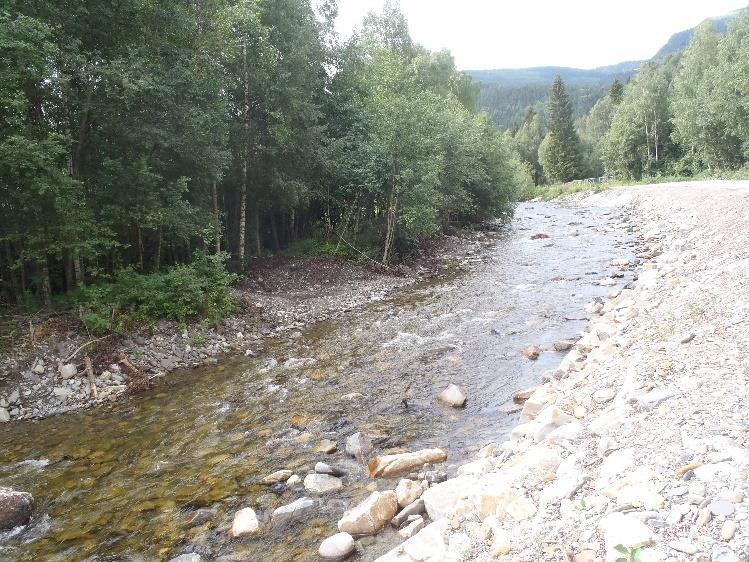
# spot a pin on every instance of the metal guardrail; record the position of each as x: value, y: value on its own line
x: 594, y: 181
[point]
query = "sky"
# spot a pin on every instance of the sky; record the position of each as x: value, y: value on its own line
x: 484, y: 34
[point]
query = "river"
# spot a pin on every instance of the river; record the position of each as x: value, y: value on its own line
x: 126, y: 483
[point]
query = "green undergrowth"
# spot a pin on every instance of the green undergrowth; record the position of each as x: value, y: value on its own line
x: 549, y: 192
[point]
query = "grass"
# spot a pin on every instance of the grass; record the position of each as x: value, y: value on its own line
x: 549, y: 192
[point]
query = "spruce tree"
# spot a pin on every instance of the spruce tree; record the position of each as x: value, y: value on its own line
x: 616, y: 92
x: 561, y: 154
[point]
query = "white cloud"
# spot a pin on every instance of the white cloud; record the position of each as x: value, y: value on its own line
x: 518, y: 33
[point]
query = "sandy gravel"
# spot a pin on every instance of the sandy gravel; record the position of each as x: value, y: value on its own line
x: 639, y: 439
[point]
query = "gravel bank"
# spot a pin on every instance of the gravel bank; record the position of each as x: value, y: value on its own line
x: 637, y: 444
x: 41, y: 377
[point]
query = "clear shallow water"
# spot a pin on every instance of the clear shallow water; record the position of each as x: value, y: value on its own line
x: 124, y: 483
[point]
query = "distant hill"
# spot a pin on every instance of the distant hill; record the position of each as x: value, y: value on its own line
x: 680, y: 41
x: 546, y: 74
x: 506, y: 93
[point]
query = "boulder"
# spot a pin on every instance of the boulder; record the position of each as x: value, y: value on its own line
x: 338, y: 547
x: 326, y: 446
x: 521, y: 396
x: 531, y: 352
x: 416, y: 508
x: 407, y: 492
x: 536, y: 402
x: 428, y: 544
x: 445, y: 499
x: 325, y: 468
x: 627, y: 530
x: 276, y: 477
x: 368, y: 517
x: 245, y: 523
x: 68, y: 371
x: 359, y: 446
x: 295, y: 510
x: 452, y: 396
x: 412, y: 528
x: 15, y: 508
x: 322, y: 483
x: 563, y: 345
x: 388, y: 466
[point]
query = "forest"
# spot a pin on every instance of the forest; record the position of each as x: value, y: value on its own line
x: 679, y: 116
x: 151, y: 150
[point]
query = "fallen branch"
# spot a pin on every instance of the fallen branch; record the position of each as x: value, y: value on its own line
x: 137, y: 381
x: 84, y: 346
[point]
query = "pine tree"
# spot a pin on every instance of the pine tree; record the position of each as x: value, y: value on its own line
x: 616, y: 92
x: 560, y: 153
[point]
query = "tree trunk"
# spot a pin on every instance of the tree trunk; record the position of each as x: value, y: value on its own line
x: 78, y: 269
x: 157, y: 258
x: 45, y: 292
x: 216, y: 216
x: 69, y: 272
x: 256, y: 227
x: 391, y: 219
x: 274, y: 232
x: 245, y: 156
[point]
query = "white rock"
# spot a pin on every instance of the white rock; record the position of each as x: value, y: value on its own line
x: 386, y: 466
x: 337, y: 547
x: 443, y: 499
x: 68, y: 371
x: 683, y: 546
x: 429, y: 544
x: 294, y: 510
x: 276, y: 477
x: 412, y: 528
x: 371, y: 515
x: 4, y: 415
x: 621, y: 529
x: 359, y: 445
x: 322, y: 483
x: 293, y: 480
x: 728, y: 530
x: 407, y: 492
x: 191, y: 557
x: 39, y: 368
x: 722, y: 553
x: 245, y: 523
x: 603, y: 395
x: 14, y: 397
x: 452, y: 396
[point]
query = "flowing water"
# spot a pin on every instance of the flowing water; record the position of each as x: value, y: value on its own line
x: 163, y: 473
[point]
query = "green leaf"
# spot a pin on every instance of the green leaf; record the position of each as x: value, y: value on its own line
x: 621, y: 548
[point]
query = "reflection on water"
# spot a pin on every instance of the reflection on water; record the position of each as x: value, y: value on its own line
x: 163, y: 474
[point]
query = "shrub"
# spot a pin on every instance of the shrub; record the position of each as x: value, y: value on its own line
x: 199, y: 289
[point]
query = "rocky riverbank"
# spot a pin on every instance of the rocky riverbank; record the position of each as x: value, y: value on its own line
x: 46, y: 375
x: 636, y: 446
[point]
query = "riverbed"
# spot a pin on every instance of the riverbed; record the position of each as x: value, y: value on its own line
x: 163, y: 474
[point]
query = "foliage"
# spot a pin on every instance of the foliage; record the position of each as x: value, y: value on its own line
x: 139, y: 135
x: 180, y: 292
x: 560, y: 153
x: 629, y: 554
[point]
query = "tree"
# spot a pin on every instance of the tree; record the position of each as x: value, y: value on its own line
x: 616, y: 92
x: 561, y: 156
x: 527, y: 141
x: 639, y: 140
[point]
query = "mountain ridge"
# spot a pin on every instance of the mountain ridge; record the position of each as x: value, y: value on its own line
x: 599, y: 76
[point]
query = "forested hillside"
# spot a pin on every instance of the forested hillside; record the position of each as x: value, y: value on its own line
x: 144, y: 144
x: 682, y: 115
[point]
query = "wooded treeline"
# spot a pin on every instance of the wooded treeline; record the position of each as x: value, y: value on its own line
x: 139, y: 135
x: 684, y: 115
